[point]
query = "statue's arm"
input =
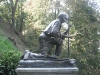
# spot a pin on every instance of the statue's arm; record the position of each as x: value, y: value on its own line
x: 55, y: 32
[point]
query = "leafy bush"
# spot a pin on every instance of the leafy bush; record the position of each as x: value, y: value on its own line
x: 9, y: 61
x: 9, y: 56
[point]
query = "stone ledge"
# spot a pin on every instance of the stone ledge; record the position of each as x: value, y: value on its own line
x: 47, y: 71
x: 48, y: 63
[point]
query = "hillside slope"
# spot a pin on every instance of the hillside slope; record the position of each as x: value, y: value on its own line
x: 12, y: 36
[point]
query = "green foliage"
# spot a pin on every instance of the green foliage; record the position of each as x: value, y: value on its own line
x: 9, y: 62
x: 85, y: 47
x: 36, y: 20
x: 32, y: 40
x: 9, y: 56
x: 10, y: 10
x: 5, y: 44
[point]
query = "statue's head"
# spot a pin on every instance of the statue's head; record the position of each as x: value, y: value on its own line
x: 63, y: 17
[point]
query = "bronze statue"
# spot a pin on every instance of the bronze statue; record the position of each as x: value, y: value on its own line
x: 52, y: 36
x: 41, y: 61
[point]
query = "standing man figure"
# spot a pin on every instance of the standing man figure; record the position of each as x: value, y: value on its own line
x: 52, y: 36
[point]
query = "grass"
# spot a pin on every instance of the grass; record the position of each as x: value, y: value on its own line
x: 5, y: 44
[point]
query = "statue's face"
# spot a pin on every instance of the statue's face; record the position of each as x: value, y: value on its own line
x: 65, y: 18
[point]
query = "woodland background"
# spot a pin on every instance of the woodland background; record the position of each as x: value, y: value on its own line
x: 22, y: 21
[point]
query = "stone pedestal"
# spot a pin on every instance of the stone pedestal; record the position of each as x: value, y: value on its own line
x: 47, y: 67
x: 47, y: 71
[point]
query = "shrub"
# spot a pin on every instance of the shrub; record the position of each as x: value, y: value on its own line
x: 9, y: 61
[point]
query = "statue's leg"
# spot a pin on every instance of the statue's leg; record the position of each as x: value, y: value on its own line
x: 58, y: 48
x: 58, y: 42
x: 43, y: 46
x: 50, y: 51
x: 44, y: 49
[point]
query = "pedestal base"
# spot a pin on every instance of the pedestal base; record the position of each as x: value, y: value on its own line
x: 47, y: 66
x: 47, y: 71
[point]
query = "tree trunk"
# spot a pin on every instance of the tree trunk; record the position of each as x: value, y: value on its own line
x: 13, y: 7
x: 21, y: 25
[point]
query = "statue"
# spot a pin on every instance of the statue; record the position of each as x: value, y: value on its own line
x: 42, y: 62
x: 50, y: 36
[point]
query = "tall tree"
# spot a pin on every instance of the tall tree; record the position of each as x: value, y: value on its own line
x: 85, y: 47
x: 12, y: 12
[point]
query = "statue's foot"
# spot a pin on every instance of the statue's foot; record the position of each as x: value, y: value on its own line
x: 36, y: 55
x: 52, y: 56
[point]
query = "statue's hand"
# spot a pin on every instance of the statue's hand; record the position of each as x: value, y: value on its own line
x: 63, y: 36
x: 66, y: 36
x: 58, y: 40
